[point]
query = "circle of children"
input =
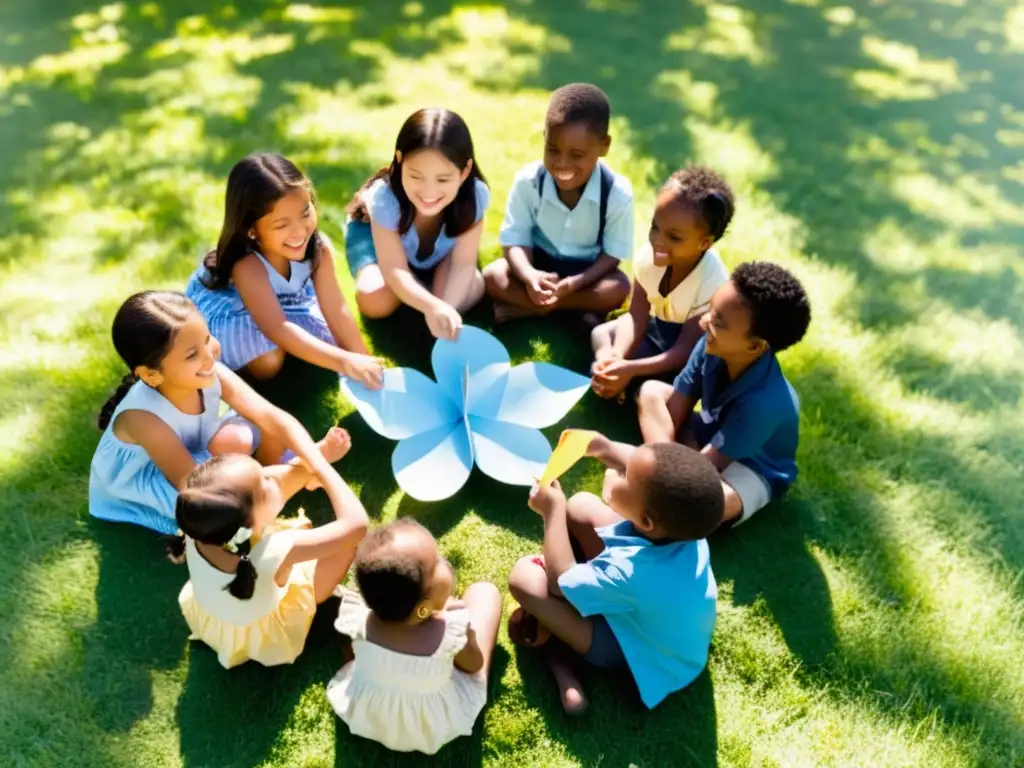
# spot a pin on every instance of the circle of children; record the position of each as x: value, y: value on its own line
x: 624, y: 582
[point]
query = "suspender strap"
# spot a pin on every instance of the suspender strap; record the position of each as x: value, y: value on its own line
x: 607, y: 182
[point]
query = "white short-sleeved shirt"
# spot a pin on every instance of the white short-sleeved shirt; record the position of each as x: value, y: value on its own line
x: 385, y: 211
x: 688, y: 299
x: 539, y: 218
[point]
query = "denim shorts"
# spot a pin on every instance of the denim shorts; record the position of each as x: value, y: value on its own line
x: 361, y: 253
x: 605, y: 651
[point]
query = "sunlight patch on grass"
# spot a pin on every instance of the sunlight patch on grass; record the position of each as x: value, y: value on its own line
x: 730, y: 33
x: 908, y: 76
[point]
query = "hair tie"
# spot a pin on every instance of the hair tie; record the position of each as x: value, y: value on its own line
x: 241, y: 536
x: 717, y: 198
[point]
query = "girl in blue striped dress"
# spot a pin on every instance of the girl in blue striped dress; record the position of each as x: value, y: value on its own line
x: 270, y: 289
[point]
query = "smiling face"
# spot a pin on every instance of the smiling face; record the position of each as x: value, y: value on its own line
x: 727, y: 325
x: 189, y: 363
x: 285, y: 230
x: 431, y: 181
x: 678, y: 235
x: 571, y: 152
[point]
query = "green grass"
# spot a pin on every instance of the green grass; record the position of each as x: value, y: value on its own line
x: 873, y: 617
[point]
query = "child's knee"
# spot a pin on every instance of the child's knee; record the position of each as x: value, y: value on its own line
x: 473, y: 294
x: 268, y: 365
x: 653, y: 394
x: 232, y: 438
x: 618, y: 286
x: 580, y: 506
x: 377, y: 303
x: 601, y: 336
x: 484, y: 596
x: 528, y: 579
x: 496, y: 277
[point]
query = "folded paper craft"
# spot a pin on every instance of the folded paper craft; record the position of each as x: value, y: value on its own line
x: 480, y: 410
x: 572, y: 446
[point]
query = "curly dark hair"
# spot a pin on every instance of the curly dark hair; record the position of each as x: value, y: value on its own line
x: 580, y: 103
x: 684, y: 493
x: 707, y: 193
x: 391, y: 583
x: 779, y: 308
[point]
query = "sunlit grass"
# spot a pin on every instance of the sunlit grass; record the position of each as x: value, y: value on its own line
x: 872, y: 618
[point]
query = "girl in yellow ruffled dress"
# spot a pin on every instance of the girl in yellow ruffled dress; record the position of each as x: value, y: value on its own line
x: 255, y: 582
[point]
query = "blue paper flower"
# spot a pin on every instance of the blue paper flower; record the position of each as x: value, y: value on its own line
x: 480, y: 410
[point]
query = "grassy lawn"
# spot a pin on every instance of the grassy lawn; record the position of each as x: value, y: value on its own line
x: 872, y: 618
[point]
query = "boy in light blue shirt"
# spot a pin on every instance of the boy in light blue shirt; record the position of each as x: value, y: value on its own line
x: 569, y: 219
x: 640, y: 596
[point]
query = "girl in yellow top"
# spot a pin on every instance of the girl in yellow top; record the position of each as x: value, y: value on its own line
x: 254, y: 584
x: 674, y: 278
x: 419, y: 676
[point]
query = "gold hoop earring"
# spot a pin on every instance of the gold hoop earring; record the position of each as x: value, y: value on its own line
x: 423, y: 612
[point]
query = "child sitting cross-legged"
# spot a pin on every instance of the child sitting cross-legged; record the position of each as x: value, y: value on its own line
x: 625, y: 582
x: 569, y: 219
x: 749, y: 422
x: 674, y: 277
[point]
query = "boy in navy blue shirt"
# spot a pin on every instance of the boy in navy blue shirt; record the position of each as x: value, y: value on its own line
x: 624, y: 582
x: 748, y: 426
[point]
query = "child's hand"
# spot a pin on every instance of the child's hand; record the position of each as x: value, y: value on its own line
x: 365, y: 369
x: 444, y: 321
x: 598, y: 447
x: 611, y: 377
x: 547, y: 500
x: 565, y: 286
x: 540, y: 287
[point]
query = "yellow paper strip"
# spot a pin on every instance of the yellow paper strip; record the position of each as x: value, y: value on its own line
x: 572, y: 446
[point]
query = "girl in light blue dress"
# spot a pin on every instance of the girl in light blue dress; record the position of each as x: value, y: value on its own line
x: 413, y: 234
x: 165, y: 418
x: 270, y: 288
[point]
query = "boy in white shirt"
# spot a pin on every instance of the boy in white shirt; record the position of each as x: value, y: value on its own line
x: 568, y: 221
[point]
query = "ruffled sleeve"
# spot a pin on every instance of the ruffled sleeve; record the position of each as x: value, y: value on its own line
x: 483, y: 199
x: 352, y: 614
x: 455, y: 634
x: 382, y: 205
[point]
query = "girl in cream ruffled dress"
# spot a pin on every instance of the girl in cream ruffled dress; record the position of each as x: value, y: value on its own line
x: 419, y: 676
x: 254, y: 581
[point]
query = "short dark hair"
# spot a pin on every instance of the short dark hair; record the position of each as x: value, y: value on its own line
x: 684, y: 493
x: 580, y: 103
x: 391, y: 583
x: 708, y: 194
x: 779, y: 308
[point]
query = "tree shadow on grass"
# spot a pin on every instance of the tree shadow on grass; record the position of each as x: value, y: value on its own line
x: 617, y: 728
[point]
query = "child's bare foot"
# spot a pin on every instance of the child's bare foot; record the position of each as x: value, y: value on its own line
x: 570, y: 689
x: 505, y: 312
x: 336, y: 443
x: 524, y: 629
